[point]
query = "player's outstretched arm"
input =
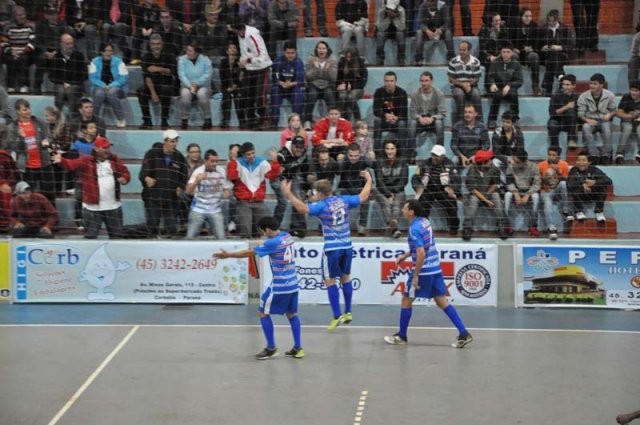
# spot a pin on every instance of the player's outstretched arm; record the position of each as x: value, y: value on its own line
x: 625, y: 419
x: 297, y: 203
x: 366, y: 190
x: 238, y: 254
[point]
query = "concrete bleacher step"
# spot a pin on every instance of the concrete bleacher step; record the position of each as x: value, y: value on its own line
x: 590, y: 229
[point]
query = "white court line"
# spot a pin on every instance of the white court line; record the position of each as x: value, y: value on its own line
x: 356, y: 327
x: 91, y: 378
x: 360, y: 409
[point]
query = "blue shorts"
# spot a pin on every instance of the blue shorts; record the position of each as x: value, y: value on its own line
x: 431, y: 285
x: 336, y: 263
x: 271, y: 303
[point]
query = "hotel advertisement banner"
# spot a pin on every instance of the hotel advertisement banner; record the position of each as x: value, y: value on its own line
x: 128, y: 272
x: 470, y: 272
x: 5, y: 269
x: 577, y: 276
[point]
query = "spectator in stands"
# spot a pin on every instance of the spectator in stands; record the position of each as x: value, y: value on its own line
x: 503, y: 80
x: 585, y: 23
x: 48, y: 34
x: 437, y: 181
x: 350, y: 81
x: 587, y: 183
x: 232, y: 155
x: 294, y: 129
x: 86, y: 115
x: 283, y: 23
x: 483, y: 182
x: 464, y: 75
x: 288, y: 78
x: 492, y: 37
x: 109, y: 78
x: 629, y: 114
x: 427, y: 112
x: 9, y: 176
x: 391, y: 110
x: 28, y: 139
x: 321, y: 71
x: 321, y: 18
x: 555, y: 42
x: 554, y: 172
x: 563, y: 113
x: 159, y: 75
x: 194, y: 73
x: 390, y: 25
x: 5, y: 117
x: 507, y: 9
x: 323, y: 167
x: 209, y: 185
x: 633, y: 68
x: 83, y: 16
x: 147, y: 17
x: 32, y: 215
x: 249, y: 173
x: 523, y: 190
x: 211, y: 33
x: 231, y: 82
x: 352, y: 19
x: 524, y: 35
x: 59, y: 139
x: 7, y: 8
x: 295, y: 168
x: 352, y: 182
x: 254, y: 13
x: 172, y: 33
x: 465, y: 14
x: 18, y: 51
x: 596, y: 109
x: 193, y: 158
x: 365, y: 141
x: 164, y: 175
x: 255, y: 63
x: 68, y: 73
x: 392, y: 175
x: 187, y: 12
x: 434, y: 26
x: 467, y: 137
x: 117, y: 19
x: 506, y: 140
x: 101, y: 175
x: 333, y: 132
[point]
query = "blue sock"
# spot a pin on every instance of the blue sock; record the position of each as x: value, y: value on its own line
x: 347, y: 291
x: 334, y: 300
x: 295, y: 330
x: 267, y: 328
x: 405, y: 318
x: 455, y: 319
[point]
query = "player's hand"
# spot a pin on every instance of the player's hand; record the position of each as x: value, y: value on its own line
x: 222, y: 254
x: 285, y: 187
x: 365, y: 174
x: 415, y: 282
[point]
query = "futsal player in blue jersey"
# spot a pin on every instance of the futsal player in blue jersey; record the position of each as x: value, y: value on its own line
x: 281, y: 296
x: 425, y: 280
x: 333, y: 212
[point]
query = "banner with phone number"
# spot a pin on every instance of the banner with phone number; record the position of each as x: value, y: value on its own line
x: 128, y: 271
x: 578, y: 276
x: 470, y: 272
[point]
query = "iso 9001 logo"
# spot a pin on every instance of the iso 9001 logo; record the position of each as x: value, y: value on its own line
x: 473, y: 281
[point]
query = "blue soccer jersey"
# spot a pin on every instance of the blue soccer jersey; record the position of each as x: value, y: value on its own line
x: 283, y: 267
x: 421, y: 236
x: 333, y: 213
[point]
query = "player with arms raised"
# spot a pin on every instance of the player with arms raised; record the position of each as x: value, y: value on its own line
x: 333, y: 212
x: 281, y: 296
x: 425, y: 280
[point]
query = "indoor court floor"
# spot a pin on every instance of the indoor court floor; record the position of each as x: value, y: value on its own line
x: 88, y: 364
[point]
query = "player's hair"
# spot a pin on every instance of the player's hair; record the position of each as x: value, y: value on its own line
x: 323, y: 187
x: 415, y: 206
x: 268, y: 223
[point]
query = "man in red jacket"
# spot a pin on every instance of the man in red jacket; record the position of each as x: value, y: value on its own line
x: 101, y: 175
x: 32, y: 215
x: 248, y: 174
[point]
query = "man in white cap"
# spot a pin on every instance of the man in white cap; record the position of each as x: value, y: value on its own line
x: 32, y: 215
x: 163, y: 176
x: 101, y: 175
x: 437, y: 181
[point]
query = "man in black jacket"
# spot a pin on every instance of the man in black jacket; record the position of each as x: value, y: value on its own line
x: 295, y: 166
x: 390, y: 107
x: 68, y: 73
x: 587, y: 183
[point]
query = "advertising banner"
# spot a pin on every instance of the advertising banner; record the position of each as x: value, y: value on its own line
x: 128, y: 271
x: 578, y: 276
x: 5, y: 270
x: 470, y: 272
